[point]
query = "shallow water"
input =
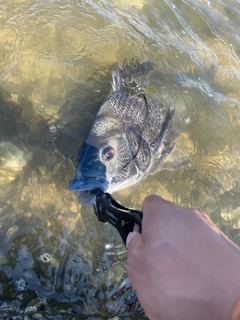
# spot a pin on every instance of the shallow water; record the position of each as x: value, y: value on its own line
x: 56, y: 58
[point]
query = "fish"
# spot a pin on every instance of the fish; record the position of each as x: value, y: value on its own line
x: 131, y: 135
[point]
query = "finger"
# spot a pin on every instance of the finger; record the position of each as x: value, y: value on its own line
x: 136, y: 228
x: 134, y: 241
x: 130, y: 238
x: 156, y: 214
x: 155, y: 204
x: 149, y: 200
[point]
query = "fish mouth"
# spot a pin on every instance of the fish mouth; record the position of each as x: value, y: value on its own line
x: 87, y: 190
x: 85, y: 185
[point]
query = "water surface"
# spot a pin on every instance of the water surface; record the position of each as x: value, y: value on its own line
x: 56, y: 58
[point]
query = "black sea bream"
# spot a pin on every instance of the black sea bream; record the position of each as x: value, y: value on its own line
x: 131, y: 135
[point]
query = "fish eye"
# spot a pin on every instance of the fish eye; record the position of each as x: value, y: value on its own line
x: 108, y: 153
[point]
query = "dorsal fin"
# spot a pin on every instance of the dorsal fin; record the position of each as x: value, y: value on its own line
x: 130, y: 73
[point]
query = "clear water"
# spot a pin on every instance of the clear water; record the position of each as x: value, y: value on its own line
x: 56, y: 58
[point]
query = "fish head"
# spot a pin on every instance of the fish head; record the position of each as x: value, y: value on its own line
x: 104, y: 160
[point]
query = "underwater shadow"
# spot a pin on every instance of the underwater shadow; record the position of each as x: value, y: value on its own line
x: 53, y: 259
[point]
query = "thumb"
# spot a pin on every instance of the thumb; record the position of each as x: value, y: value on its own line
x: 133, y: 237
x: 133, y: 243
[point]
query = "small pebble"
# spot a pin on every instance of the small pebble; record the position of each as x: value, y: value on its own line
x: 38, y: 316
x: 30, y: 309
x: 187, y: 120
x: 52, y: 128
x: 20, y: 284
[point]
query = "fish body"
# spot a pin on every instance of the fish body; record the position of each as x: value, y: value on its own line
x: 130, y: 137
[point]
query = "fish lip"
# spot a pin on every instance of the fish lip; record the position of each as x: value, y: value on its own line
x: 87, y: 185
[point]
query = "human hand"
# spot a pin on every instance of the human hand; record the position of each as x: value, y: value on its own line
x: 181, y: 265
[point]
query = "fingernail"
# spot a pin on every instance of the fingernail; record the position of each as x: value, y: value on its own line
x: 136, y: 228
x: 129, y: 238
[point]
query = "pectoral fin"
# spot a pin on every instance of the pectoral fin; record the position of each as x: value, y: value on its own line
x: 176, y: 160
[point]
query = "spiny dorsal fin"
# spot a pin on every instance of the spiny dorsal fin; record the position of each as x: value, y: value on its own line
x: 117, y: 79
x: 130, y: 73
